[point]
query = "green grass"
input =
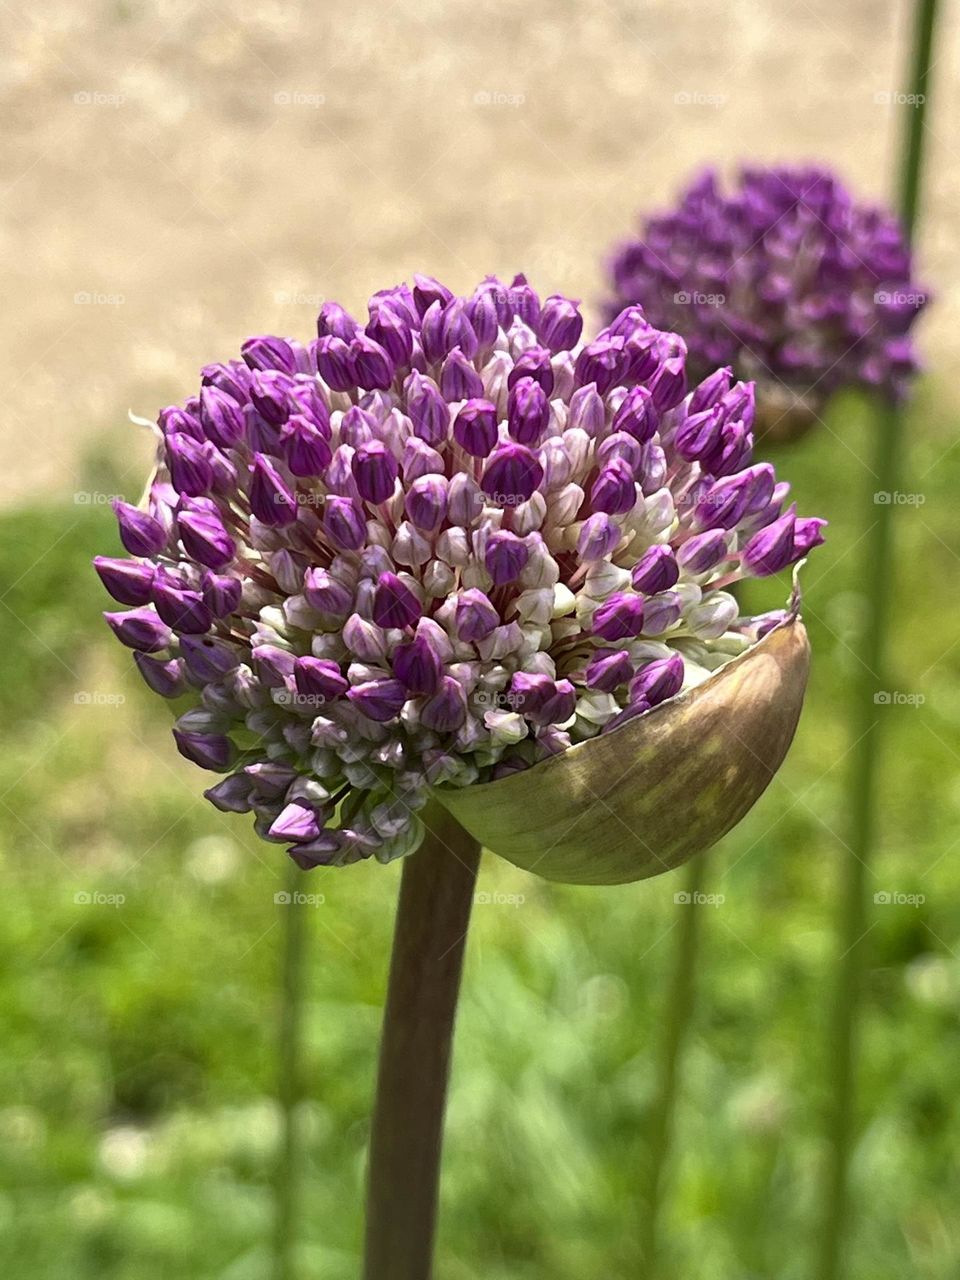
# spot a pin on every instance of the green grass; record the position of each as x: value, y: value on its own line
x: 136, y: 1124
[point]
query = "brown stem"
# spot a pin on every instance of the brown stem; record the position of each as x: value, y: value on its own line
x: 436, y: 894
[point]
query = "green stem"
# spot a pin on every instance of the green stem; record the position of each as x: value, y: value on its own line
x: 433, y: 915
x: 877, y: 574
x: 677, y: 1020
x: 289, y: 1171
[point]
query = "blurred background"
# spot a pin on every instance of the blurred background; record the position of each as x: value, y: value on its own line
x: 178, y: 175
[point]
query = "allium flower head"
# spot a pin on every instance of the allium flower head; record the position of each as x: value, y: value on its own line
x: 786, y: 278
x: 438, y: 548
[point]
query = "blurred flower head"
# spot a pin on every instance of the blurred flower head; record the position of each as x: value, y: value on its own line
x: 437, y: 548
x: 786, y: 278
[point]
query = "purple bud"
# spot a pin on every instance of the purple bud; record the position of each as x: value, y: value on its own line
x: 334, y: 322
x: 420, y: 459
x: 272, y: 500
x: 208, y: 750
x: 668, y: 385
x: 699, y: 434
x: 140, y: 533
x: 457, y: 331
x: 221, y: 416
x: 614, y: 490
x: 619, y: 617
x: 533, y: 363
x: 233, y: 379
x: 270, y: 393
x: 772, y: 549
x: 205, y: 538
x: 524, y: 301
x: 319, y: 678
x: 464, y: 500
x: 372, y: 367
x: 598, y: 538
x: 180, y: 608
x: 379, y: 700
x: 704, y: 551
x: 232, y: 795
x: 306, y: 450
x: 275, y: 666
x: 528, y: 411
x: 418, y: 664
x: 656, y: 570
x: 295, y: 822
x: 391, y: 331
x: 475, y: 428
x: 207, y: 658
x: 446, y: 710
x: 483, y: 319
x: 128, y: 581
x: 426, y: 502
x: 475, y: 615
x: 427, y: 409
x: 600, y: 362
x: 189, y: 470
x: 587, y: 411
x: 175, y: 420
x: 165, y: 678
x: 326, y: 593
x: 395, y: 604
x: 140, y: 629
x: 636, y: 415
x: 334, y: 364
x: 459, y: 380
x: 560, y: 704
x: 659, y: 680
x: 807, y: 534
x: 221, y: 594
x: 608, y: 669
x: 560, y: 323
x: 505, y: 557
x: 431, y: 333
x: 269, y: 353
x: 660, y: 612
x: 343, y: 524
x: 727, y: 501
x: 375, y: 471
x: 512, y: 475
x: 710, y: 391
x: 427, y: 291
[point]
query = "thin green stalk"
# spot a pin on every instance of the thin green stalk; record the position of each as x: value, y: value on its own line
x: 289, y: 1171
x: 877, y: 575
x: 433, y: 914
x: 677, y: 1020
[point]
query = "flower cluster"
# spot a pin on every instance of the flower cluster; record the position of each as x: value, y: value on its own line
x: 435, y: 548
x: 787, y: 278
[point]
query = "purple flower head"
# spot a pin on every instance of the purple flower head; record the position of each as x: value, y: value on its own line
x: 437, y: 550
x: 782, y: 276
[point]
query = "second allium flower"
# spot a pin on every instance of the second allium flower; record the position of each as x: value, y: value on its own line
x: 437, y: 548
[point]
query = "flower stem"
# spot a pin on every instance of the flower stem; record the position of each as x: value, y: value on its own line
x: 877, y: 577
x: 289, y: 1171
x: 676, y: 1023
x: 433, y: 914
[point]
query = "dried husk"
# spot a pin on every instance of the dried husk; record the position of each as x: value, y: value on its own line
x: 645, y: 798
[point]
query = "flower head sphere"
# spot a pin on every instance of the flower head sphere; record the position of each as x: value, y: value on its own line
x: 788, y: 279
x: 436, y: 549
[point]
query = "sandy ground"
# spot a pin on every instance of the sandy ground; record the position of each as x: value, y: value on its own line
x: 180, y: 174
